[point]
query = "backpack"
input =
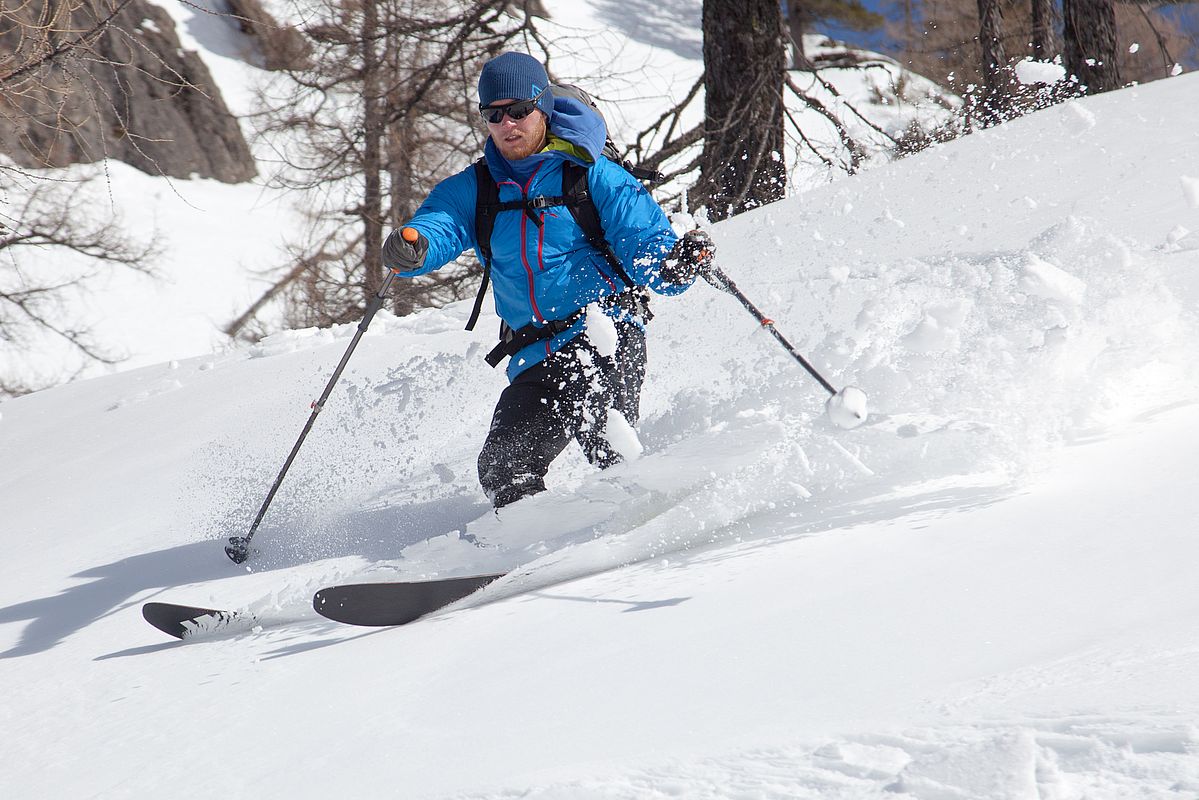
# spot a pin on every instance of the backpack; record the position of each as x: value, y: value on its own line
x: 576, y: 196
x: 644, y: 174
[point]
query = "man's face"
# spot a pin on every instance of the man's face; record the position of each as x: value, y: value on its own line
x: 518, y: 138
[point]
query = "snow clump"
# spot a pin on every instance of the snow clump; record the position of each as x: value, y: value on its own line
x: 1030, y: 71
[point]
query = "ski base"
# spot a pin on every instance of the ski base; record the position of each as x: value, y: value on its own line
x: 182, y: 621
x: 395, y: 603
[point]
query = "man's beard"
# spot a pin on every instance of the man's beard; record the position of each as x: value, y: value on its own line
x: 523, y: 147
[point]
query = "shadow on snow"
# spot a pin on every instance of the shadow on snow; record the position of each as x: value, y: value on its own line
x: 375, y: 534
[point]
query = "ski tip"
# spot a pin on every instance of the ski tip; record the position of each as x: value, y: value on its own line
x: 181, y: 621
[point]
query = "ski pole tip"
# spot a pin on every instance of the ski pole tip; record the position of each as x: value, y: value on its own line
x: 238, y: 549
x: 847, y: 408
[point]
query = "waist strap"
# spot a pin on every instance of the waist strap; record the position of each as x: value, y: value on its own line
x: 633, y: 301
x: 513, y: 341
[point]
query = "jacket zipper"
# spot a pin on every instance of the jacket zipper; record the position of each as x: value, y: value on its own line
x: 524, y: 252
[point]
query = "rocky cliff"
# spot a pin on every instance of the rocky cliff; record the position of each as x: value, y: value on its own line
x: 80, y: 83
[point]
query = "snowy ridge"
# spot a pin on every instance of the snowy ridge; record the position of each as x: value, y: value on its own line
x: 985, y: 592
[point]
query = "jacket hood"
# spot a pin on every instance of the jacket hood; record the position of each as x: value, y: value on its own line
x: 572, y: 120
x: 579, y: 124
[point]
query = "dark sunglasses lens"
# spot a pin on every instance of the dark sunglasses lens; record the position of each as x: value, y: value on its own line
x: 518, y: 111
x: 521, y: 110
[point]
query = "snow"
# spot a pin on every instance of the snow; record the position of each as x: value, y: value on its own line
x: 601, y: 331
x: 1030, y: 71
x: 622, y: 436
x: 847, y: 408
x: 1190, y: 190
x: 986, y: 590
x: 218, y: 243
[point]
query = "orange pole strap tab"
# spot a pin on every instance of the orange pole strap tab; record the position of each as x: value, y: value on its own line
x: 410, y: 236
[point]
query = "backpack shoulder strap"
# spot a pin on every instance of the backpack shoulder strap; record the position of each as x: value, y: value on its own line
x: 582, y: 207
x: 487, y: 198
x: 576, y: 196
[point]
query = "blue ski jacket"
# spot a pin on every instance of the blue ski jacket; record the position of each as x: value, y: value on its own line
x: 548, y: 272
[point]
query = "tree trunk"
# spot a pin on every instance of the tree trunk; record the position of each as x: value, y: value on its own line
x: 1042, y: 30
x: 742, y: 164
x: 996, y: 97
x: 798, y: 21
x: 373, y: 130
x: 1089, y: 31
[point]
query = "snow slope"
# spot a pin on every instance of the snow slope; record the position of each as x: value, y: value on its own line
x: 987, y: 591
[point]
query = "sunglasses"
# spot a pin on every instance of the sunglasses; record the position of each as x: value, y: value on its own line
x: 517, y: 111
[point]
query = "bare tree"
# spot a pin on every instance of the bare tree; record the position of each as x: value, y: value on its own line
x: 971, y: 45
x: 41, y: 221
x: 838, y: 133
x: 744, y: 76
x: 383, y: 110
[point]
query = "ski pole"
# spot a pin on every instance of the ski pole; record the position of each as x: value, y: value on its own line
x: 238, y: 548
x: 847, y: 408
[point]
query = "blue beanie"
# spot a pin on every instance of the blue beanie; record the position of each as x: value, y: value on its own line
x: 515, y: 76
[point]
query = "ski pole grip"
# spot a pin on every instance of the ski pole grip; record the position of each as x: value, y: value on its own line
x: 396, y: 258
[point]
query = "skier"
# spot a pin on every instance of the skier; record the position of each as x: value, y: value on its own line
x: 558, y: 227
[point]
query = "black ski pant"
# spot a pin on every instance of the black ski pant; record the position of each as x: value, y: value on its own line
x: 564, y: 397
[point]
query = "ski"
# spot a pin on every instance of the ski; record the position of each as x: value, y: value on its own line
x: 394, y: 603
x: 182, y: 621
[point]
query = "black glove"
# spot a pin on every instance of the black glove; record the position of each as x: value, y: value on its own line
x: 405, y: 250
x: 691, y: 256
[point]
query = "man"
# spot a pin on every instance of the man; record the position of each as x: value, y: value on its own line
x: 565, y: 378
